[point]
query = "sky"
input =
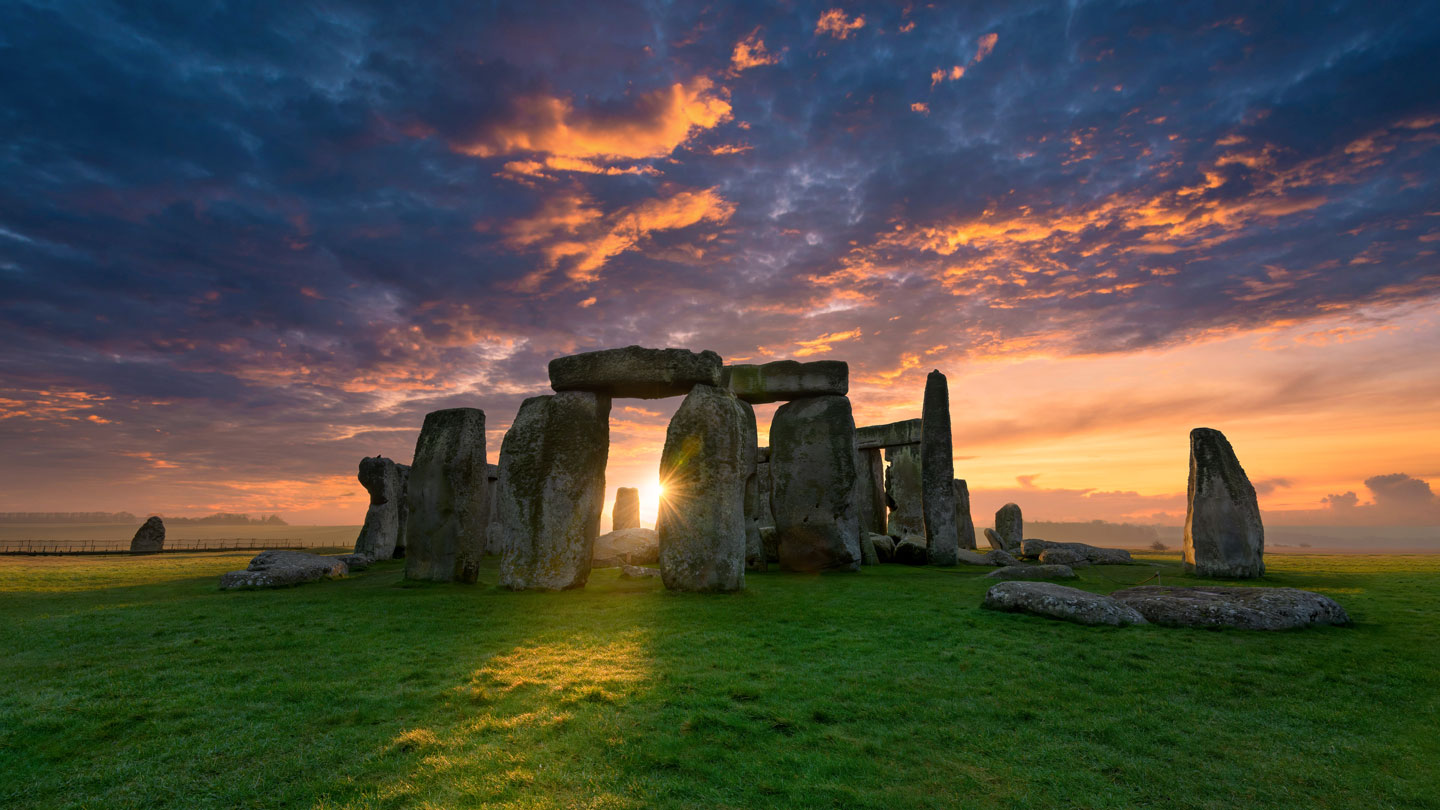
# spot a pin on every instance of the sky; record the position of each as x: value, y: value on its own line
x: 243, y: 245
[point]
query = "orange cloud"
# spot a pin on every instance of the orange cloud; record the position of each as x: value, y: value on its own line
x: 920, y: 107
x: 987, y: 44
x: 836, y: 24
x: 822, y: 344
x: 939, y: 75
x: 659, y: 122
x: 750, y: 52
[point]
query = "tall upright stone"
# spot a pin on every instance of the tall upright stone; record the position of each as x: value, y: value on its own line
x: 709, y: 454
x: 760, y: 515
x: 812, y: 468
x: 150, y: 537
x: 494, y: 537
x: 626, y: 512
x: 552, y: 490
x: 403, y: 531
x: 902, y: 491
x: 1010, y: 526
x: 870, y: 492
x: 1223, y: 533
x: 937, y: 473
x: 964, y: 525
x: 448, y: 498
x: 754, y: 547
x: 380, y: 533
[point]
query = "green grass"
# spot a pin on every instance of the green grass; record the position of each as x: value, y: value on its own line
x: 136, y: 683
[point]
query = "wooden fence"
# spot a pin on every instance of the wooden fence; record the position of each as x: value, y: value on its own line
x: 75, y: 547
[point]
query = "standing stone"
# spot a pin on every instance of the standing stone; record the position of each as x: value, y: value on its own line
x: 759, y: 508
x: 937, y: 472
x: 381, y: 532
x: 1010, y: 526
x: 812, y: 470
x: 402, y: 531
x: 870, y: 492
x: 902, y: 491
x: 552, y: 490
x: 964, y: 525
x: 1223, y: 534
x: 754, y: 547
x: 448, y: 498
x: 626, y: 513
x: 149, y: 538
x: 494, y: 536
x: 709, y: 452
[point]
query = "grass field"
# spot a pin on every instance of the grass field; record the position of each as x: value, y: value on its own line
x: 134, y: 682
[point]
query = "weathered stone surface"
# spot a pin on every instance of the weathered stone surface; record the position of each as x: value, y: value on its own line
x: 964, y: 525
x: 626, y: 513
x: 381, y: 532
x: 552, y: 490
x: 755, y: 559
x: 770, y: 539
x: 403, y: 532
x: 494, y: 537
x: 758, y: 555
x: 636, y: 372
x: 1223, y: 533
x: 812, y: 470
x: 998, y: 557
x: 150, y: 537
x: 873, y: 514
x: 1034, y: 549
x: 785, y: 380
x: 639, y: 572
x: 1010, y: 525
x: 902, y: 491
x: 1032, y: 572
x: 910, y: 550
x: 448, y: 498
x: 354, y: 562
x: 884, y: 547
x: 894, y: 434
x: 997, y: 543
x: 708, y: 455
x: 1063, y: 556
x: 937, y: 472
x: 1060, y: 602
x: 1242, y: 608
x: 277, y: 569
x: 992, y: 557
x: 636, y: 546
x: 868, y: 554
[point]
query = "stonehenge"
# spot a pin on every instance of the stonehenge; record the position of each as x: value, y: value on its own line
x: 964, y: 525
x: 937, y: 473
x: 812, y: 476
x: 447, y: 498
x: 784, y: 380
x: 1009, y: 528
x: 1223, y: 533
x: 150, y: 537
x: 635, y: 372
x: 626, y: 512
x: 903, y: 491
x: 385, y: 520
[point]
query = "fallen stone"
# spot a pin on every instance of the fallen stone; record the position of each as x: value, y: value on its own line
x: 552, y: 490
x: 626, y: 512
x: 1063, y: 556
x: 380, y: 533
x: 354, y: 562
x: 784, y: 380
x: 884, y: 547
x: 964, y: 525
x: 626, y: 547
x: 911, y: 550
x: 903, y: 491
x: 812, y: 472
x: 1033, y: 549
x: 998, y: 557
x: 937, y: 472
x: 992, y: 557
x: 448, y: 498
x: 1060, y: 602
x: 1032, y: 572
x: 638, y: 572
x: 708, y: 455
x: 150, y: 537
x: 1242, y: 608
x: 1223, y: 533
x: 895, y: 434
x: 279, y: 569
x: 636, y: 372
x: 1010, y: 526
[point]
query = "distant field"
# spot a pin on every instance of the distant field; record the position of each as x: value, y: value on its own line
x: 119, y: 535
x: 134, y: 682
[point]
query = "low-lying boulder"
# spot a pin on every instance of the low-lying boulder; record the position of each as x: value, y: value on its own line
x: 1032, y: 549
x: 992, y: 557
x: 1032, y: 572
x: 354, y: 562
x: 884, y: 547
x: 911, y: 550
x: 638, y: 572
x: 279, y: 569
x: 1060, y: 602
x: 1063, y: 556
x: 1242, y: 608
x: 638, y: 546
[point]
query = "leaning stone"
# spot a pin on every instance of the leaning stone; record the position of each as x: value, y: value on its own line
x: 381, y: 532
x: 1010, y: 526
x: 868, y: 553
x: 902, y: 491
x: 937, y: 472
x: 998, y: 544
x: 1063, y: 556
x: 1060, y: 602
x: 552, y: 490
x: 1223, y: 533
x: 884, y: 547
x: 895, y: 434
x: 812, y: 471
x: 709, y: 451
x: 638, y: 572
x: 627, y: 546
x: 1242, y: 608
x: 149, y: 538
x: 964, y: 525
x: 626, y: 513
x: 1032, y: 572
x: 910, y: 550
x: 278, y: 569
x: 784, y: 380
x: 448, y: 498
x: 636, y: 372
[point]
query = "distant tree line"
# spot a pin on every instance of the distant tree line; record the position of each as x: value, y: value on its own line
x: 217, y: 519
x: 226, y: 519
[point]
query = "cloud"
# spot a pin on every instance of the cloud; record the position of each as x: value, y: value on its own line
x: 835, y: 23
x: 1399, y: 489
x: 750, y: 52
x: 984, y: 48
